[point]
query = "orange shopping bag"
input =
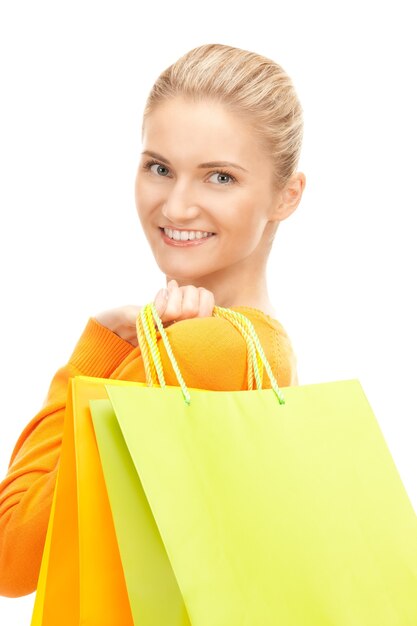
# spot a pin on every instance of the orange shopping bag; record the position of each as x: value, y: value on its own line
x: 81, y: 579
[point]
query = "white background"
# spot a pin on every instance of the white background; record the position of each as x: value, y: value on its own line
x: 74, y: 78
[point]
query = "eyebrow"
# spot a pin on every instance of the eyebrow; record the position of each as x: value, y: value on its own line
x: 155, y: 155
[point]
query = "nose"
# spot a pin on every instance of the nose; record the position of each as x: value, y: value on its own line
x: 180, y: 207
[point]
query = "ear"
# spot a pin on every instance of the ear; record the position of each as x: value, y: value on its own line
x: 289, y: 197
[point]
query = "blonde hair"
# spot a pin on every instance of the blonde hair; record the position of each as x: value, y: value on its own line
x: 248, y: 84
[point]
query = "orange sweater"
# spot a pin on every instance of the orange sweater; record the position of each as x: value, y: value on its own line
x: 211, y: 354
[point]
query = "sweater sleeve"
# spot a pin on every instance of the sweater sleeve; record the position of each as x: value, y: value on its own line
x: 26, y: 492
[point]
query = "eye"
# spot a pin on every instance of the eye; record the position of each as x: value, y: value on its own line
x: 156, y: 168
x: 223, y: 177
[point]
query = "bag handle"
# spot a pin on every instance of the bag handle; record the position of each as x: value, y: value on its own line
x: 145, y: 327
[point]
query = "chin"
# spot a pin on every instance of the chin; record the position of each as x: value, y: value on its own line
x: 183, y: 274
x: 178, y: 273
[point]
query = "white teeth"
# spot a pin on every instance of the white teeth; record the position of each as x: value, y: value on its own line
x: 185, y: 235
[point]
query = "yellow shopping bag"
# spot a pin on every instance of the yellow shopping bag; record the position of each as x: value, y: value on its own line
x: 273, y: 506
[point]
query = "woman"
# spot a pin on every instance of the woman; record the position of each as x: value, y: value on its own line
x: 222, y: 135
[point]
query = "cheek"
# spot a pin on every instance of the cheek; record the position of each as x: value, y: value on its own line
x: 246, y: 221
x: 146, y: 196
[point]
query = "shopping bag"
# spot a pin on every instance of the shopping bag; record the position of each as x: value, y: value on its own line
x: 154, y: 595
x: 81, y: 579
x: 274, y: 506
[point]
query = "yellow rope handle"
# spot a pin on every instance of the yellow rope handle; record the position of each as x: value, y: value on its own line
x: 150, y: 372
x: 154, y: 350
x: 247, y: 323
x: 255, y: 366
x: 150, y: 336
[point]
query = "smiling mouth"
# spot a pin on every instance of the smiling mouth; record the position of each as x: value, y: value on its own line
x: 185, y: 235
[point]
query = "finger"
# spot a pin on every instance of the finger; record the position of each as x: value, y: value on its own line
x: 190, y: 302
x: 206, y: 302
x: 160, y: 301
x: 172, y: 284
x: 174, y: 303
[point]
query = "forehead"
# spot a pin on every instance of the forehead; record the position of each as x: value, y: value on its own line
x: 204, y: 130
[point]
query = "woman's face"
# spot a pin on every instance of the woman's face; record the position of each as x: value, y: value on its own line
x: 204, y: 190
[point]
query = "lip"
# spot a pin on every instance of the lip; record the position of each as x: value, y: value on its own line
x: 184, y: 244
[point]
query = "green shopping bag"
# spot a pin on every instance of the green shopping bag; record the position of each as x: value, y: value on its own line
x: 272, y: 506
x: 154, y: 596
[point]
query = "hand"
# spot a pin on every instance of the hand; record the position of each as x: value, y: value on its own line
x: 175, y: 303
x: 172, y: 304
x: 121, y: 321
